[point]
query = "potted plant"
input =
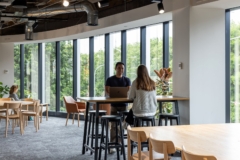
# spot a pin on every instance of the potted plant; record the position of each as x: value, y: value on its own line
x: 162, y: 88
x: 3, y: 89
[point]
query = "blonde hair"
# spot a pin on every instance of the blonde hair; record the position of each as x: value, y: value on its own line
x: 12, y: 89
x: 144, y: 81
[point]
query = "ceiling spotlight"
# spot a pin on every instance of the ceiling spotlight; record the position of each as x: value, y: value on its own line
x: 65, y: 3
x: 160, y: 8
x: 103, y: 3
x: 29, y: 31
x: 19, y: 4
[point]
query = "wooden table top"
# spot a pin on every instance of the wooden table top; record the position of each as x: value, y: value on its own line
x: 23, y: 103
x: 110, y: 100
x: 220, y: 140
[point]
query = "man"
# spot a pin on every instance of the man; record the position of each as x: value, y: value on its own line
x: 117, y: 80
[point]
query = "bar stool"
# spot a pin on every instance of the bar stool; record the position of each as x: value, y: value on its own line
x: 90, y: 129
x: 107, y: 145
x: 139, y: 121
x: 167, y: 116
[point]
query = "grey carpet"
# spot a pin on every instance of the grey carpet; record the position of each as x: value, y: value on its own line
x: 53, y: 141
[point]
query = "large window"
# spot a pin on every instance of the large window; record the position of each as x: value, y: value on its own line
x: 235, y: 66
x: 115, y: 50
x: 99, y: 69
x: 52, y: 67
x: 133, y: 53
x: 66, y: 71
x: 154, y: 49
x: 31, y: 71
x: 17, y: 66
x: 84, y: 66
x: 49, y: 63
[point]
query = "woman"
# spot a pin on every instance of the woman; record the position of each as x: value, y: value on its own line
x: 13, y: 93
x: 143, y: 94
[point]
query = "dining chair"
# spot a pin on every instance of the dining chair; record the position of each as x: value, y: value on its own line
x: 12, y: 115
x: 160, y: 146
x: 139, y: 136
x: 190, y: 156
x: 5, y: 99
x: 73, y: 107
x: 35, y: 113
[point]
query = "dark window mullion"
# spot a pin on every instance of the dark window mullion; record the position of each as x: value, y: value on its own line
x: 143, y: 45
x: 40, y: 72
x: 75, y: 74
x: 107, y: 56
x: 91, y: 66
x: 227, y: 64
x: 124, y: 49
x: 22, y: 70
x: 58, y: 72
x: 166, y: 44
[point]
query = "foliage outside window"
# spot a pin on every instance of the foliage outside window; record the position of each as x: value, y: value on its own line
x: 66, y: 71
x: 31, y: 71
x: 50, y: 74
x: 84, y: 67
x: 17, y: 66
x: 235, y: 66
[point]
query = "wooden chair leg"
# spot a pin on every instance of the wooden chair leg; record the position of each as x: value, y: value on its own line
x: 67, y: 119
x: 78, y: 119
x: 6, y: 127
x: 73, y: 118
x: 47, y: 112
x: 41, y: 114
x: 13, y: 125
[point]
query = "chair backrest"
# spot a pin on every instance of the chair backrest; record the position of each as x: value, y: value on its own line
x: 12, y: 106
x: 5, y: 99
x: 190, y: 156
x: 36, y: 104
x: 160, y: 146
x: 70, y: 104
x: 136, y: 136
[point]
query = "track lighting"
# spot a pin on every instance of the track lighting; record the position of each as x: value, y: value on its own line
x: 65, y: 3
x: 103, y: 3
x: 160, y: 8
x: 19, y: 4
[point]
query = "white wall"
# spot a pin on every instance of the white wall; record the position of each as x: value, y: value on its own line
x: 7, y: 63
x: 207, y: 65
x: 181, y: 55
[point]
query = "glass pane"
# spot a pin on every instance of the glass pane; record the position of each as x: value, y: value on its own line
x: 154, y: 49
x: 50, y: 74
x: 115, y: 50
x: 84, y: 67
x: 31, y: 71
x: 17, y: 66
x: 234, y: 66
x: 133, y: 53
x: 66, y: 71
x: 99, y: 69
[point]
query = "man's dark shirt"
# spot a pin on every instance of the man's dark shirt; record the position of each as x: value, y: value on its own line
x: 118, y: 82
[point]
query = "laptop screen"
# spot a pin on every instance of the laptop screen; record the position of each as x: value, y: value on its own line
x: 118, y: 92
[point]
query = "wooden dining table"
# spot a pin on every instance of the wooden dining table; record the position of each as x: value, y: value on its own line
x: 22, y: 102
x: 219, y: 140
x: 104, y: 100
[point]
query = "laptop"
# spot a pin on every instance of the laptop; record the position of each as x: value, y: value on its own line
x: 118, y: 92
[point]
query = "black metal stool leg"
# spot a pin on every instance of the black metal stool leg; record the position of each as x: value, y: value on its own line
x: 106, y: 144
x: 122, y: 141
x: 166, y: 120
x: 101, y: 141
x: 89, y: 129
x: 93, y: 117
